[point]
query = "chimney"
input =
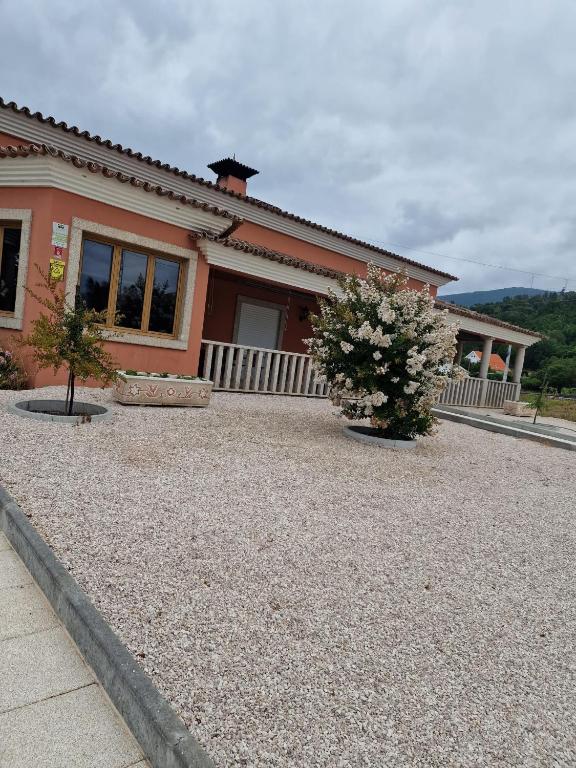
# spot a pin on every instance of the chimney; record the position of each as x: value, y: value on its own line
x: 232, y: 175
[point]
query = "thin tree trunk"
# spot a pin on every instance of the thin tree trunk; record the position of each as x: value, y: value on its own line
x: 67, y: 394
x: 71, y: 401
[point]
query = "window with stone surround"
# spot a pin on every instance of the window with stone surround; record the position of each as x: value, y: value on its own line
x: 10, y: 239
x: 140, y: 290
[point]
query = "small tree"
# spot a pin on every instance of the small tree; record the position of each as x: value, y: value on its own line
x: 385, y: 352
x: 69, y: 336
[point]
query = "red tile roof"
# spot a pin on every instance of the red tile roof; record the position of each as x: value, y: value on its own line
x: 267, y: 253
x: 198, y: 180
x: 31, y: 150
x: 496, y: 362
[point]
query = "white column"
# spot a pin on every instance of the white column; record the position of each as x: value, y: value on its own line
x: 459, y: 353
x: 485, y: 362
x: 519, y: 364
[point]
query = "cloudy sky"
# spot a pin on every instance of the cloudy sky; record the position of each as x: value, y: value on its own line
x: 436, y: 128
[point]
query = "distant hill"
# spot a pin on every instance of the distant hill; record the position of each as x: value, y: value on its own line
x: 488, y: 297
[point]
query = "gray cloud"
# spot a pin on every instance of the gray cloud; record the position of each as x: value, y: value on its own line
x: 445, y: 127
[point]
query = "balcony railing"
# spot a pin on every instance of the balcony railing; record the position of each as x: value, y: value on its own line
x: 479, y: 392
x: 236, y: 368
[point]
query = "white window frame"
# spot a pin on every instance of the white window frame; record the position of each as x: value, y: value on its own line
x: 22, y: 216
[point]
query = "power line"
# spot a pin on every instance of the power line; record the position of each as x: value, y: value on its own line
x: 566, y: 280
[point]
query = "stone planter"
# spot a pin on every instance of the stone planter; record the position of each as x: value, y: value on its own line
x: 363, y: 435
x: 518, y: 408
x: 55, y: 410
x: 150, y: 389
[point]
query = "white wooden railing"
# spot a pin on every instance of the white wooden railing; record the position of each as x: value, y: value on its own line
x: 237, y: 368
x: 479, y: 392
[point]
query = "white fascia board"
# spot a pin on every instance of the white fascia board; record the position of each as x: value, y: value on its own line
x: 34, y: 131
x: 257, y: 266
x: 485, y: 329
x: 43, y: 171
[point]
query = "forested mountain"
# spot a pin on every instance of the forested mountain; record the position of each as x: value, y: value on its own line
x: 552, y: 314
x: 483, y: 297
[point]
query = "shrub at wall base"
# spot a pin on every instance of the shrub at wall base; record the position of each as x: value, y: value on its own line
x: 382, y: 348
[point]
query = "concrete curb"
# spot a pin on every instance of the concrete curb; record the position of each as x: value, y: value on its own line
x: 95, y: 412
x: 163, y: 737
x: 379, y: 442
x: 511, y: 431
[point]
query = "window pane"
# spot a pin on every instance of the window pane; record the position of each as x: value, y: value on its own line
x: 95, y: 275
x: 131, y: 285
x: 9, y: 268
x: 163, y: 309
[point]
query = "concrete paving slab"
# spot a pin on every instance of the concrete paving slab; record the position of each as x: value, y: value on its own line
x: 12, y: 571
x: 39, y: 666
x: 4, y: 543
x: 77, y: 729
x: 24, y: 610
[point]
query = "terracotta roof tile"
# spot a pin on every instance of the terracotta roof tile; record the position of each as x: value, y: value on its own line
x: 267, y: 253
x: 31, y: 150
x: 198, y: 180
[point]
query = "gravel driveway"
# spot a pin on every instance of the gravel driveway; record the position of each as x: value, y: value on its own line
x: 306, y: 600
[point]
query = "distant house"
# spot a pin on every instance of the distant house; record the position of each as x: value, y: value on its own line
x: 496, y: 363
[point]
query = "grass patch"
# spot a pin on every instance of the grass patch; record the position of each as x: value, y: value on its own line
x: 557, y: 409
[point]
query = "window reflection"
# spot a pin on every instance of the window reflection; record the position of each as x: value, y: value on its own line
x: 9, y: 259
x: 164, y: 292
x: 95, y: 275
x: 131, y: 287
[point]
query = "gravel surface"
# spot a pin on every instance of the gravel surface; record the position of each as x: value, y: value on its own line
x: 306, y: 600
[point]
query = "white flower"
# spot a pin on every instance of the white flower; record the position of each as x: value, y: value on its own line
x: 365, y: 331
x: 377, y: 355
x: 411, y: 387
x: 346, y: 347
x: 379, y: 398
x: 348, y: 383
x: 394, y: 379
x: 339, y: 377
x: 380, y: 339
x: 385, y: 311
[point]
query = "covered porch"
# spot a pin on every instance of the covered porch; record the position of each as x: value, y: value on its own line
x: 258, y: 307
x: 253, y: 335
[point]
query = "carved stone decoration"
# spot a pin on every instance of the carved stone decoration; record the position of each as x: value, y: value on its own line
x: 146, y: 389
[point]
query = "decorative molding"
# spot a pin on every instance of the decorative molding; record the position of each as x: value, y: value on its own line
x: 251, y: 264
x: 47, y: 171
x: 24, y: 216
x: 190, y: 257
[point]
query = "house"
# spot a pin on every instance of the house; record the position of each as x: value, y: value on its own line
x: 496, y: 363
x: 208, y: 279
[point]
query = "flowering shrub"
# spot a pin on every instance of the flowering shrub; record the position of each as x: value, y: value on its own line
x: 382, y: 349
x: 12, y: 375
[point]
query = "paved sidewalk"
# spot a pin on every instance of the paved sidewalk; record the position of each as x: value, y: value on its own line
x: 53, y: 712
x: 549, y: 434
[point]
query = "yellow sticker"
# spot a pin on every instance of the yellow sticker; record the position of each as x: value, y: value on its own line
x: 57, y: 269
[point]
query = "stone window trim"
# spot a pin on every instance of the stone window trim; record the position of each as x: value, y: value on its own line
x: 82, y: 227
x: 15, y: 319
